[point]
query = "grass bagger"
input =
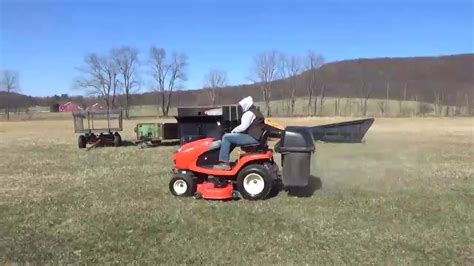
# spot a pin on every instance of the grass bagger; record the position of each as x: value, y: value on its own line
x: 255, y: 175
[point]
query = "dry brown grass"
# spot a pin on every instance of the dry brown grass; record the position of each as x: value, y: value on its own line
x: 404, y: 196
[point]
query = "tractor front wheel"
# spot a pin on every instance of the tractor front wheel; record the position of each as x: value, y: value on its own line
x: 82, y: 142
x: 182, y: 186
x: 254, y: 182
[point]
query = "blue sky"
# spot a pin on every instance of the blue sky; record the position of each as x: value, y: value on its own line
x: 45, y: 41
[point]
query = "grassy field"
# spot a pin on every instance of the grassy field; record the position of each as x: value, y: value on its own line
x: 405, y: 196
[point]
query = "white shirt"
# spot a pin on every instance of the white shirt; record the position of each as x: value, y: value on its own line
x: 245, y: 122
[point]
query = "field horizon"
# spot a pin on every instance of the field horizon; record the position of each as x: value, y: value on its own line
x: 346, y: 107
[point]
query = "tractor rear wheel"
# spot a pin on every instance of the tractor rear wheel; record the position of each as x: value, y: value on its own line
x: 182, y: 186
x: 82, y: 142
x: 254, y: 182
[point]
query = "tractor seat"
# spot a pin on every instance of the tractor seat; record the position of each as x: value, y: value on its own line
x: 259, y: 147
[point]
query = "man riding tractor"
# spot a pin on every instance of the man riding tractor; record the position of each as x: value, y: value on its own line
x: 248, y: 132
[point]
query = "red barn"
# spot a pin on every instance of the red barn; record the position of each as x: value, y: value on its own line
x: 69, y: 107
x: 95, y: 107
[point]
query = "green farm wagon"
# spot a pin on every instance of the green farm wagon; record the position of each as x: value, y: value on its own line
x: 155, y: 133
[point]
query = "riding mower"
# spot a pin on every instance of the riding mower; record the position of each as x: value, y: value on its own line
x: 255, y: 175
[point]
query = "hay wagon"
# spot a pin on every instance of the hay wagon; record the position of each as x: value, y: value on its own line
x: 98, y: 127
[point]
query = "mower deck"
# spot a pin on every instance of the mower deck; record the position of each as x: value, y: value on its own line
x: 209, y: 190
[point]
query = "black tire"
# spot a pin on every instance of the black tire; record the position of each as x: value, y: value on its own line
x: 197, y: 196
x: 277, y: 187
x: 259, y: 173
x: 185, y: 182
x: 117, y: 140
x: 82, y: 142
x: 235, y: 195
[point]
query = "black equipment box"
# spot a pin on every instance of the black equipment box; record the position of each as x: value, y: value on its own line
x: 201, y: 122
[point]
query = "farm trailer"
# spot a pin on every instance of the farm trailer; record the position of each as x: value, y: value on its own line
x: 98, y: 127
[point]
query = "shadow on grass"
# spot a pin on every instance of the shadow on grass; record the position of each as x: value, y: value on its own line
x: 151, y: 144
x: 314, y: 183
x: 170, y: 143
x: 128, y: 143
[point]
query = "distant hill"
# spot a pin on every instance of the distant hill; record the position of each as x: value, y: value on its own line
x: 17, y: 100
x: 423, y: 77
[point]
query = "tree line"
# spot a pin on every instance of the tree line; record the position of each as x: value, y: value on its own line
x: 116, y: 73
x: 276, y: 76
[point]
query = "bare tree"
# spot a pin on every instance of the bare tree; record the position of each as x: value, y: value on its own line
x: 382, y: 105
x: 405, y: 91
x: 126, y: 59
x: 400, y: 104
x: 348, y: 105
x: 438, y: 100
x: 365, y: 88
x: 403, y: 98
x: 100, y: 77
x: 417, y: 104
x: 468, y: 104
x: 265, y: 71
x: 313, y: 62
x: 290, y: 68
x: 214, y: 80
x: 337, y: 103
x: 365, y: 92
x: 458, y: 102
x: 447, y: 104
x: 9, y: 83
x: 167, y: 74
x: 283, y: 73
x: 322, y: 98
